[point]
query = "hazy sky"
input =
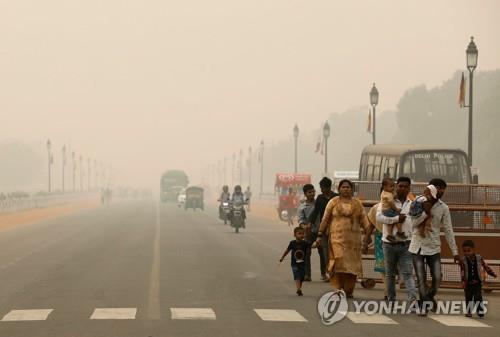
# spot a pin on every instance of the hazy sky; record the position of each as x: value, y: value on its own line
x: 153, y: 84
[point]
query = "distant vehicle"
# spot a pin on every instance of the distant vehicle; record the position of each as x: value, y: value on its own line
x: 283, y: 182
x: 171, y: 184
x: 418, y: 162
x: 181, y: 199
x: 194, y: 198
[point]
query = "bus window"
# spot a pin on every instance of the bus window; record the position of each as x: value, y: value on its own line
x: 362, y: 169
x: 450, y: 166
x: 391, y: 167
x: 376, y: 168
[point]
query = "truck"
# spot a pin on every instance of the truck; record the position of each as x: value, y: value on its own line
x: 172, y: 182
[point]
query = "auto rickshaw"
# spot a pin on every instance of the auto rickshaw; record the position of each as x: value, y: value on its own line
x: 194, y: 198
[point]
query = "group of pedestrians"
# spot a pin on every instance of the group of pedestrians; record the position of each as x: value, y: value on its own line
x: 333, y: 224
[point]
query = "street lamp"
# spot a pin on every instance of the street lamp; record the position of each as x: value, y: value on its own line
x: 471, y: 53
x: 81, y: 173
x: 88, y: 172
x: 326, y: 135
x: 261, y: 159
x: 63, y: 165
x: 241, y: 167
x: 250, y: 166
x: 374, y: 102
x: 73, y: 156
x: 49, y: 148
x: 296, y: 137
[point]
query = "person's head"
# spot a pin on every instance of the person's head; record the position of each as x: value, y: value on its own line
x: 325, y: 185
x: 403, y: 185
x: 388, y: 185
x: 225, y: 188
x: 237, y: 189
x: 430, y: 192
x: 440, y: 185
x: 346, y: 188
x: 468, y: 248
x: 290, y: 190
x: 309, y: 191
x: 299, y: 233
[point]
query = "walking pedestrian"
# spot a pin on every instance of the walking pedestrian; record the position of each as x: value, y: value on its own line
x: 397, y: 257
x: 305, y: 209
x: 344, y: 217
x: 427, y: 250
x: 315, y: 218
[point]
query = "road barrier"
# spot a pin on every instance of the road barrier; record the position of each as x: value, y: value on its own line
x: 15, y: 204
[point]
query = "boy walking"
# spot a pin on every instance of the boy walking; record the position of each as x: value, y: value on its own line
x: 473, y: 269
x: 298, y: 247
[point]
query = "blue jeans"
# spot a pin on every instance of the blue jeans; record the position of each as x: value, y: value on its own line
x: 434, y: 264
x: 397, y: 257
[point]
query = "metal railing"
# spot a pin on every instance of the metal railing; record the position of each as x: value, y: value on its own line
x: 456, y: 194
x: 14, y: 204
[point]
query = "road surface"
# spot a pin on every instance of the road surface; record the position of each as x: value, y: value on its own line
x: 137, y: 269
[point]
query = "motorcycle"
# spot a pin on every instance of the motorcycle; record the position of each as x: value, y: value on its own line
x: 237, y: 220
x: 225, y: 212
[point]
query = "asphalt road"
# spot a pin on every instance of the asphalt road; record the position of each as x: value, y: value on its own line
x: 137, y: 268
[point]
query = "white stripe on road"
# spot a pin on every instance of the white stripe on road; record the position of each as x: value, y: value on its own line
x: 369, y: 319
x: 279, y: 315
x: 114, y: 313
x: 454, y: 320
x: 27, y: 315
x: 192, y: 313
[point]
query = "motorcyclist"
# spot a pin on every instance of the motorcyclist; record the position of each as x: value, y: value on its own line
x: 224, y: 197
x: 239, y: 198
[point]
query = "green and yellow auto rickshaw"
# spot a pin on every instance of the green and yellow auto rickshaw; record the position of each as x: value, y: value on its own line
x: 194, y: 198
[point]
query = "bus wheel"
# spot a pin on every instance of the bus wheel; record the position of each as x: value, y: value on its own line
x: 368, y: 283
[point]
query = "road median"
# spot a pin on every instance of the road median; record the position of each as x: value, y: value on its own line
x: 12, y: 219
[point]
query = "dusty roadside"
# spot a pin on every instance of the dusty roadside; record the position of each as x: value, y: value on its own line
x: 8, y: 220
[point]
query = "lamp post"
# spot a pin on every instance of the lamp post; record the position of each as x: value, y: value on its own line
x: 326, y: 135
x: 96, y: 173
x: 374, y: 102
x: 261, y: 158
x: 250, y: 166
x: 81, y: 173
x: 73, y: 157
x: 471, y: 53
x: 63, y: 165
x: 88, y: 173
x: 296, y: 137
x: 241, y: 167
x: 224, y: 172
x: 49, y: 153
x: 233, y: 168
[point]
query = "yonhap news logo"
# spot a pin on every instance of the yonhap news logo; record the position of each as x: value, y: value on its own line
x: 332, y: 307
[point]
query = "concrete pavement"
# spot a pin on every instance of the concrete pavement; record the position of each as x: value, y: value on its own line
x: 139, y: 269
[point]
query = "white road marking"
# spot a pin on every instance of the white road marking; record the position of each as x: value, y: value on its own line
x: 27, y: 315
x: 364, y: 318
x: 114, y: 313
x: 454, y: 320
x: 280, y: 315
x: 192, y: 313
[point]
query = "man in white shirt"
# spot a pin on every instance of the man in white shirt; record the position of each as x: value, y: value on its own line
x: 396, y: 254
x: 427, y: 250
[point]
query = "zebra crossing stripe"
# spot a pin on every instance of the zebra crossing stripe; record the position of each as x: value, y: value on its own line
x: 364, y: 318
x: 114, y: 313
x: 192, y: 313
x: 27, y: 315
x: 280, y: 315
x: 462, y: 321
